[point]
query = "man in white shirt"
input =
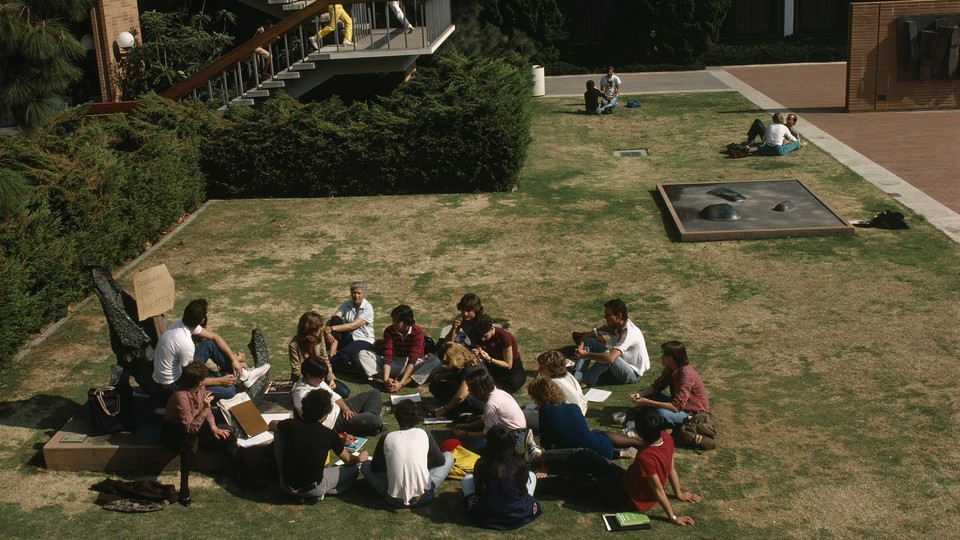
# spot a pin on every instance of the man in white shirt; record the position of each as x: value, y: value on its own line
x: 176, y: 348
x: 350, y: 327
x: 627, y: 358
x: 610, y: 85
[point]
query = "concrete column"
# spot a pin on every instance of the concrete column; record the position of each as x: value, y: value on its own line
x: 788, y: 11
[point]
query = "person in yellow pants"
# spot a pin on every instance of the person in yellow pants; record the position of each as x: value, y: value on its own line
x: 337, y: 14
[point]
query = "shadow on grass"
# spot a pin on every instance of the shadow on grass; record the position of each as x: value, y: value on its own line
x: 41, y: 412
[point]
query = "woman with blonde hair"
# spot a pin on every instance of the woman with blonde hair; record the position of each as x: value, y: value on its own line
x: 552, y: 365
x: 309, y: 342
x: 449, y: 385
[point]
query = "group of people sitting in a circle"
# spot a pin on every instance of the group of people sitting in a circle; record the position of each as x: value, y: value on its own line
x: 473, y: 372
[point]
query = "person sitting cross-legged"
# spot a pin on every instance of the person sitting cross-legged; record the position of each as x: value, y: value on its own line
x: 403, y: 361
x: 357, y: 415
x: 777, y: 139
x: 407, y: 466
x: 301, y: 446
x: 688, y: 395
x: 627, y: 360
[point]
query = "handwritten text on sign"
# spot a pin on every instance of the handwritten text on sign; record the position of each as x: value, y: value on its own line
x: 153, y: 289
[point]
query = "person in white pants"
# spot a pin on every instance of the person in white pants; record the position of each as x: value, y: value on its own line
x: 395, y: 6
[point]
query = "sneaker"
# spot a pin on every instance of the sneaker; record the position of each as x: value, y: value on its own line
x: 629, y: 453
x: 347, y: 43
x: 313, y: 43
x: 250, y: 376
x: 409, y: 29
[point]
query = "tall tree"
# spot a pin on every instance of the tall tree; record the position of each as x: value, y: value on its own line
x: 39, y: 56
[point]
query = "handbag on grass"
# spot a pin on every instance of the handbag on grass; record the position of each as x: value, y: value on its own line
x: 111, y: 409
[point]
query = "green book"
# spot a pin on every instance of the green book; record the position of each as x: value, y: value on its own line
x: 633, y: 520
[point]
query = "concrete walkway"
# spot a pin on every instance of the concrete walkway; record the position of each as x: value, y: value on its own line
x: 912, y: 156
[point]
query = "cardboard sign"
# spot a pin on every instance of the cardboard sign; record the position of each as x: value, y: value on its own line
x: 153, y: 289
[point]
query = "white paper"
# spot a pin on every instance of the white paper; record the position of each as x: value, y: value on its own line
x: 266, y: 436
x: 430, y: 420
x: 263, y: 438
x: 596, y: 395
x: 396, y: 398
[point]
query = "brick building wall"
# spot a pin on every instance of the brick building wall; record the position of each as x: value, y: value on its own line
x: 872, y: 78
x: 109, y: 18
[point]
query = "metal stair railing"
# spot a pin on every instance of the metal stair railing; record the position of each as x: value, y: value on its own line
x: 235, y: 74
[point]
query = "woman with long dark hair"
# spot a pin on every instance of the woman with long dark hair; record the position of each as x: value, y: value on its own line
x: 500, y: 491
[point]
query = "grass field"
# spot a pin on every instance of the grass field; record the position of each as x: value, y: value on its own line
x: 831, y: 362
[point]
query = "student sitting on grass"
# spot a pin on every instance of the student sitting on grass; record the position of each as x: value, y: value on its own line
x: 357, y: 415
x: 470, y: 307
x: 777, y: 139
x: 449, y: 384
x: 499, y: 493
x: 553, y: 366
x: 688, y: 395
x: 584, y: 475
x: 188, y: 424
x: 498, y: 350
x: 402, y: 360
x: 302, y: 445
x: 309, y: 342
x: 563, y: 426
x: 500, y: 409
x: 407, y: 466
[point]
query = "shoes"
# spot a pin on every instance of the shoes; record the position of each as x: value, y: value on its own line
x: 185, y: 501
x: 347, y: 43
x: 409, y: 29
x: 629, y: 453
x: 313, y: 43
x: 608, y: 111
x: 309, y: 501
x: 250, y: 376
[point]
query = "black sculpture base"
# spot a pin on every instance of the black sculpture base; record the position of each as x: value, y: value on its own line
x: 763, y: 212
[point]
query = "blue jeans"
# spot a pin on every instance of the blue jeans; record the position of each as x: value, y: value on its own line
x: 208, y: 350
x: 348, y: 348
x: 620, y: 369
x: 778, y: 150
x: 666, y: 415
x: 757, y: 129
x: 378, y: 481
x: 609, y: 103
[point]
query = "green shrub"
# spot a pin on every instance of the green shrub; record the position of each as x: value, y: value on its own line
x: 100, y: 191
x: 458, y: 126
x: 783, y: 50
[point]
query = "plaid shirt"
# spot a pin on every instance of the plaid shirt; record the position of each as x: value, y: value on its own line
x: 686, y: 388
x: 407, y: 345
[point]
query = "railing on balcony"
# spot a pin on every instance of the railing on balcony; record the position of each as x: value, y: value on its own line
x: 238, y: 77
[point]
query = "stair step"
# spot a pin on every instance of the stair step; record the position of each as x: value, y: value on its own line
x: 303, y: 66
x: 256, y: 93
x: 287, y: 75
x: 242, y: 101
x: 295, y: 6
x: 272, y: 84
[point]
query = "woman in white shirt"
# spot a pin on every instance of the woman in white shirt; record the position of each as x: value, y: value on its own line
x: 777, y: 140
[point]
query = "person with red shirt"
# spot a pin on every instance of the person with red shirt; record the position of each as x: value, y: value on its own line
x: 583, y: 474
x: 401, y: 359
x: 688, y: 395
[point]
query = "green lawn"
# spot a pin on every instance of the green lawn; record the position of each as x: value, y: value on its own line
x: 831, y: 362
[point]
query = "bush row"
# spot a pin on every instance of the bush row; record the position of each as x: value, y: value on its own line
x: 99, y: 191
x: 459, y: 126
x: 783, y: 50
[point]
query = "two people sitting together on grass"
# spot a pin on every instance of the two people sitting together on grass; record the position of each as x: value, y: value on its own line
x: 604, y: 100
x: 778, y: 139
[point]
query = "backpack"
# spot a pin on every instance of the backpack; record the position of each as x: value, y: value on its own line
x: 699, y: 431
x: 737, y: 150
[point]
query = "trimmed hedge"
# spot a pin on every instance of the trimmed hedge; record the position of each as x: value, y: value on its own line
x: 101, y: 191
x: 458, y: 126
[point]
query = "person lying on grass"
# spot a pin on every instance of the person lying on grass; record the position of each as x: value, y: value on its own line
x: 582, y: 474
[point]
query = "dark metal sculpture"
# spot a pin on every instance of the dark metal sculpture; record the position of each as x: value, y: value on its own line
x: 720, y: 212
x: 727, y: 194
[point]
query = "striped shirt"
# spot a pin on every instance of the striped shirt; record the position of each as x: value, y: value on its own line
x: 407, y: 344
